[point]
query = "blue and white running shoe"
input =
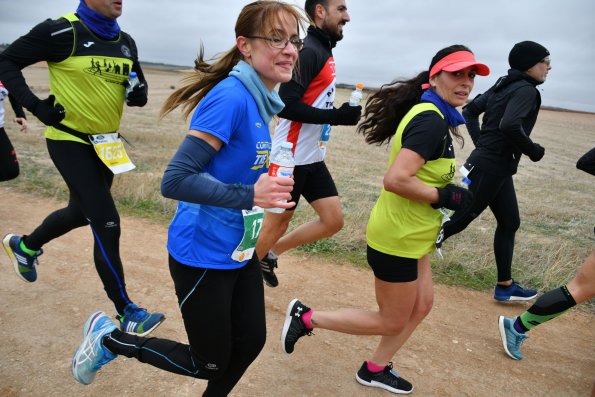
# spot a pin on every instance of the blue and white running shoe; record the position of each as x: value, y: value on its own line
x: 25, y: 265
x: 138, y: 321
x: 91, y: 355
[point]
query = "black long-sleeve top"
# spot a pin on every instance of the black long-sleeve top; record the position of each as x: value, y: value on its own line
x: 510, y: 111
x: 16, y: 106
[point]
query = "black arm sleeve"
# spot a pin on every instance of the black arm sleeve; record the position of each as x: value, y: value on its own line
x: 587, y: 162
x: 471, y: 114
x: 37, y: 45
x: 16, y: 107
x: 296, y: 110
x: 184, y: 180
x: 517, y: 108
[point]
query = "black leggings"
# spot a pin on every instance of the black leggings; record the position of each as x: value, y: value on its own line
x: 90, y: 203
x: 498, y: 193
x: 9, y: 165
x: 224, y: 317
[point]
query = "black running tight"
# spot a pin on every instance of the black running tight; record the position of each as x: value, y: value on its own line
x: 498, y: 193
x: 90, y: 203
x: 224, y: 317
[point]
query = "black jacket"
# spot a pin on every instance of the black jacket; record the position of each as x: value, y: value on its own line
x: 510, y: 110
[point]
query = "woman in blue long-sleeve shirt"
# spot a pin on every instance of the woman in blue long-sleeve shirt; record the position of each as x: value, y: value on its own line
x: 219, y: 175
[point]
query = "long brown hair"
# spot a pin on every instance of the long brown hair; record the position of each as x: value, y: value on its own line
x: 254, y: 19
x: 386, y: 107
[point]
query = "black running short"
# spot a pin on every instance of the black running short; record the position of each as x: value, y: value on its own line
x: 313, y: 181
x: 390, y: 268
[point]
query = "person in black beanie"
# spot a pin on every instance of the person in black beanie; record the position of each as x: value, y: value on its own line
x: 510, y: 111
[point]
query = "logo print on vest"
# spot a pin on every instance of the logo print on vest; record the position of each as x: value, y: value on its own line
x: 449, y: 177
x: 108, y: 69
x: 126, y: 51
x: 88, y: 44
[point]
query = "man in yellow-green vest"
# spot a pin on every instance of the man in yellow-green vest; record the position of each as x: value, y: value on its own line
x: 89, y: 61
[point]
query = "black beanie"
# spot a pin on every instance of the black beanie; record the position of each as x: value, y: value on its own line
x: 526, y: 54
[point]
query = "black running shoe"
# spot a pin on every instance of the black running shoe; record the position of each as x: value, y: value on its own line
x: 386, y: 379
x: 294, y: 328
x: 268, y: 265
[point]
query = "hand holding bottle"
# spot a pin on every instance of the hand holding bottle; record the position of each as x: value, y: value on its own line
x: 347, y: 115
x: 281, y: 165
x: 273, y: 191
x: 136, y: 91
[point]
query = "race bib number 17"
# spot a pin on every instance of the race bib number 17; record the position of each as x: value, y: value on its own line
x: 252, y: 225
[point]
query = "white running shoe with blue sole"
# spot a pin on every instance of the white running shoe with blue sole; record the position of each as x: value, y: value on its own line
x: 91, y: 355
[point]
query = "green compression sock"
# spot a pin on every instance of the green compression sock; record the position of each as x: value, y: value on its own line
x: 27, y: 250
x: 549, y: 305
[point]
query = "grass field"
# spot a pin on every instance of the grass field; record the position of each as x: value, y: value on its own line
x: 555, y: 199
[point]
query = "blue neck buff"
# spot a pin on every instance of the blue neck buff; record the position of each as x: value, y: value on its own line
x: 451, y: 114
x: 269, y: 103
x: 101, y: 25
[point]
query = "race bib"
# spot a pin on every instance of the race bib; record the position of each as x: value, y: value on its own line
x: 252, y: 225
x: 110, y: 150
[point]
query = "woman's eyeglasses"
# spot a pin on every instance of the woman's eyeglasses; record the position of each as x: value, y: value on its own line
x: 280, y: 43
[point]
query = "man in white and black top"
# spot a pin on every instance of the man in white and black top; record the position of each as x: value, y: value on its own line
x: 309, y: 98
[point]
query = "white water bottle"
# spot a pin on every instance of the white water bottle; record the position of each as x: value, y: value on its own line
x: 356, y: 95
x: 282, y: 164
x: 465, y: 183
x: 133, y: 81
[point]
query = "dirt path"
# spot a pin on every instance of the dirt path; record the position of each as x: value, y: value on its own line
x: 455, y: 352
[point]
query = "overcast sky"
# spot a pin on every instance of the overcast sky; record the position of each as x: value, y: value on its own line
x: 385, y: 39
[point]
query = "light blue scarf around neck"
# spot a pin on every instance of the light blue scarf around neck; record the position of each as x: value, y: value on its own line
x: 269, y: 103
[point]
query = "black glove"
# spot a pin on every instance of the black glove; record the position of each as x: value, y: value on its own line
x: 49, y: 113
x: 587, y: 162
x: 453, y: 197
x: 537, y: 152
x: 346, y: 115
x: 138, y: 95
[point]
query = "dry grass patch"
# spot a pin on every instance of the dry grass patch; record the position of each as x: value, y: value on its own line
x: 555, y: 199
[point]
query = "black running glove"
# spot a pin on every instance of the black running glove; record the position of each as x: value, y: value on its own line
x: 138, y: 96
x: 49, y: 113
x: 453, y: 197
x: 346, y: 115
x: 537, y: 152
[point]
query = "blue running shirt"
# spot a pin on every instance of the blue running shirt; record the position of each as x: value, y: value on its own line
x: 203, y: 235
